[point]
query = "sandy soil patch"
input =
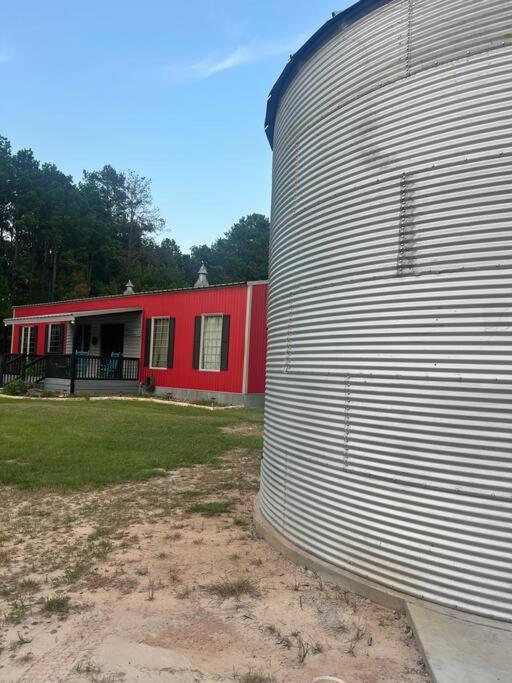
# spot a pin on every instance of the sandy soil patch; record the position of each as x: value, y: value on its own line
x: 245, y: 428
x: 128, y: 583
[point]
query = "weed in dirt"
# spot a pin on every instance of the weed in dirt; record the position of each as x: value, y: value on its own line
x: 282, y: 640
x: 198, y: 541
x: 211, y: 509
x: 253, y: 677
x: 142, y: 571
x: 73, y: 573
x: 184, y: 594
x: 193, y: 493
x: 102, y: 549
x: 303, y: 649
x: 151, y: 590
x: 320, y: 582
x: 234, y: 588
x: 100, y: 532
x: 19, y: 642
x: 358, y: 635
x: 59, y: 604
x: 257, y: 562
x: 3, y: 538
x: 234, y: 557
x: 18, y: 612
x: 175, y: 536
x: 240, y: 521
x: 161, y: 556
x: 296, y: 585
x: 28, y: 586
x: 86, y: 666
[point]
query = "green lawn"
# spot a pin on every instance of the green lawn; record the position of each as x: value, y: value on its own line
x: 89, y: 443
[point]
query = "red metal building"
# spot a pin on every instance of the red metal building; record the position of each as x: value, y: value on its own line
x: 207, y: 342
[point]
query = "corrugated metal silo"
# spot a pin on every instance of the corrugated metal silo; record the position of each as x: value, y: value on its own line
x: 388, y: 440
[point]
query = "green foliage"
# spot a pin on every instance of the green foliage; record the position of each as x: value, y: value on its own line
x: 62, y: 240
x: 210, y: 509
x: 16, y: 388
x: 77, y: 444
x: 242, y: 254
x: 57, y: 605
x: 18, y: 612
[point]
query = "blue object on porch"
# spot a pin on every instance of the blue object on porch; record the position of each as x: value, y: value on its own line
x: 109, y: 369
x: 82, y: 363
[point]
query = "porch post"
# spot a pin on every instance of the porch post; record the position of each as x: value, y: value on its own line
x: 72, y: 368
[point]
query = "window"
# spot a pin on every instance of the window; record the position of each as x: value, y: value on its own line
x: 55, y: 338
x: 211, y: 342
x: 159, y: 342
x: 28, y: 340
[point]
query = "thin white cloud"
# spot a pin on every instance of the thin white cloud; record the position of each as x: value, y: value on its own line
x: 244, y: 54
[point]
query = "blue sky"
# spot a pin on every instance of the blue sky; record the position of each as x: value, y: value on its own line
x: 173, y: 90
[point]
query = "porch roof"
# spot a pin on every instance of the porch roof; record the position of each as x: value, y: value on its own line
x: 67, y: 317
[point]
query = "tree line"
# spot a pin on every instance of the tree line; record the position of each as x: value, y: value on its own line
x: 61, y: 239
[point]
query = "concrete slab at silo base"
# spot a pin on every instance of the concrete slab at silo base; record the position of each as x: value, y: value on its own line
x: 459, y: 648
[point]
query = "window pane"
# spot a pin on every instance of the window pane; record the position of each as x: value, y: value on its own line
x: 28, y: 340
x: 55, y: 339
x: 211, y: 342
x: 160, y: 342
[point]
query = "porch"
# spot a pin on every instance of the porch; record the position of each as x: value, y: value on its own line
x: 75, y: 373
x: 89, y: 352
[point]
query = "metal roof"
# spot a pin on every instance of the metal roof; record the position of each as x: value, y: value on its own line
x: 337, y: 23
x: 119, y: 296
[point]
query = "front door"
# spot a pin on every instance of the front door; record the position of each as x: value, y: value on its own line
x: 112, y: 339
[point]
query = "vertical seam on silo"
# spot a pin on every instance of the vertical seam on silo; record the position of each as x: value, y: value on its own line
x: 410, y: 9
x: 346, y: 444
x: 288, y: 349
x: 406, y: 248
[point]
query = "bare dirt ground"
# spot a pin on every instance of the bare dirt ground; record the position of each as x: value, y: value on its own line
x: 134, y: 583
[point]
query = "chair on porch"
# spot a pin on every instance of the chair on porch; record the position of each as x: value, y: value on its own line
x: 82, y: 364
x: 109, y: 369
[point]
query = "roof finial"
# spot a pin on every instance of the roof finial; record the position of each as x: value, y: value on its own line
x: 129, y: 288
x: 202, y: 280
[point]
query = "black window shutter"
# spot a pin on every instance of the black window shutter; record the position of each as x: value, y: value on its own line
x: 197, y: 342
x: 35, y: 330
x: 224, y: 346
x: 62, y: 335
x: 46, y: 337
x: 147, y: 342
x: 170, y: 348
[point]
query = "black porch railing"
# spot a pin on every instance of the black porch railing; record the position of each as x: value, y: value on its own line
x: 78, y: 366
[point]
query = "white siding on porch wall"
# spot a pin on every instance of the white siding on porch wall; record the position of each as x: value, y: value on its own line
x: 132, y: 332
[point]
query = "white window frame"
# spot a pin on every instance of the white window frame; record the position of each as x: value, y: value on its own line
x: 50, y: 337
x: 157, y: 317
x: 30, y: 329
x: 210, y: 315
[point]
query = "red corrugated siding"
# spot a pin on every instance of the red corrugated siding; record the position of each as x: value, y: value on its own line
x: 183, y: 306
x: 258, y: 343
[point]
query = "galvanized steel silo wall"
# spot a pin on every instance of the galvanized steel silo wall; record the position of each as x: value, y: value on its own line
x: 388, y: 440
